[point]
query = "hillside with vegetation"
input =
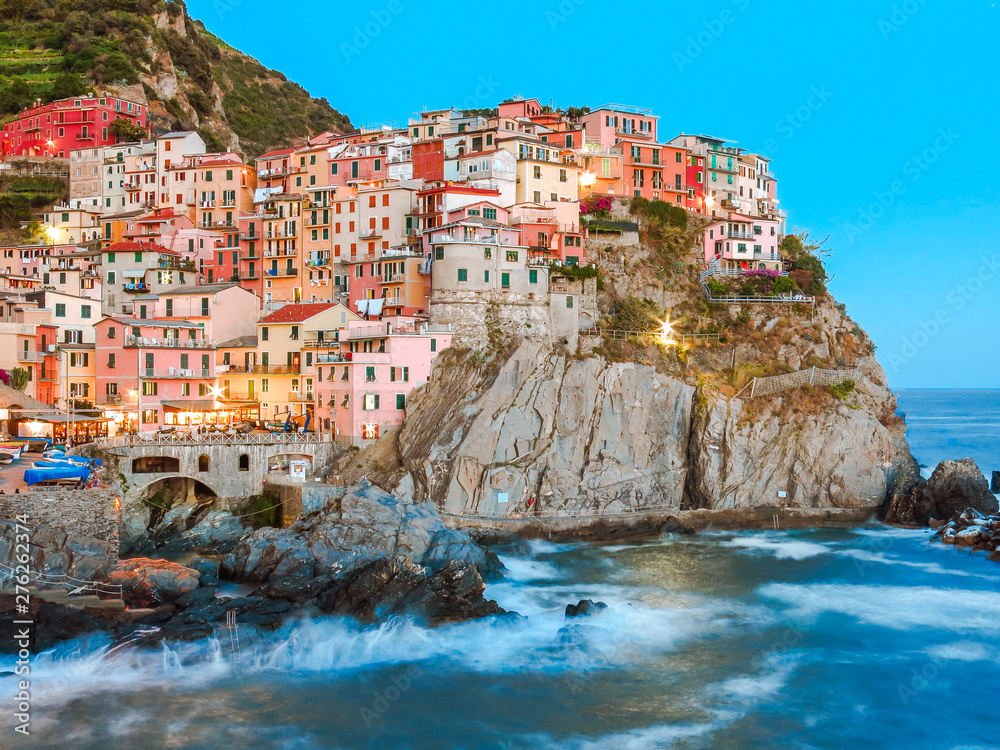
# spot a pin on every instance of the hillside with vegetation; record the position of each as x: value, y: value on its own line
x: 152, y: 50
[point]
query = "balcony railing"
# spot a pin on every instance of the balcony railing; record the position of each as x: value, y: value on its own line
x: 148, y: 342
x: 109, y: 398
x: 263, y: 369
x: 297, y: 397
x: 281, y: 272
x: 23, y: 356
x: 136, y: 288
x: 178, y: 372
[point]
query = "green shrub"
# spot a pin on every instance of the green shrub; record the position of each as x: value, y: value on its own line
x: 842, y: 390
x: 716, y: 288
x: 783, y: 285
x: 633, y: 314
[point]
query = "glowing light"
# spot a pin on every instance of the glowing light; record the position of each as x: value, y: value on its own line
x: 587, y: 179
x: 118, y: 504
x: 50, y: 143
x: 709, y: 200
x: 666, y: 333
x: 133, y: 393
x: 215, y: 391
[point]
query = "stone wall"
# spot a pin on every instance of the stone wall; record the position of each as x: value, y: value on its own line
x: 301, y: 498
x: 70, y: 532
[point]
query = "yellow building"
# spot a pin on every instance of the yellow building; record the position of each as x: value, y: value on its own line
x: 541, y: 176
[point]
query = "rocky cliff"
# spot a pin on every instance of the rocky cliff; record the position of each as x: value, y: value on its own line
x: 542, y: 433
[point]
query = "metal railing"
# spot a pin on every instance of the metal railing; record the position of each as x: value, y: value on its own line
x: 74, y: 585
x: 168, y: 343
x: 682, y: 338
x: 153, y: 439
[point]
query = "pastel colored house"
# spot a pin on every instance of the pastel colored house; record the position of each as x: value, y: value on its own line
x: 56, y: 128
x: 743, y: 243
x: 363, y: 386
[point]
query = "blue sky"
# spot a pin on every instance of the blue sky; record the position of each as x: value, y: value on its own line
x: 871, y: 111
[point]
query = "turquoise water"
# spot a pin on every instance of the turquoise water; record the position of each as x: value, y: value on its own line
x: 868, y: 638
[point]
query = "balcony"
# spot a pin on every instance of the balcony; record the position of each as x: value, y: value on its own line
x: 318, y: 262
x: 286, y: 253
x: 249, y: 236
x: 278, y: 172
x: 132, y: 187
x: 730, y: 203
x: 198, y: 373
x: 330, y: 359
x: 146, y: 342
x: 281, y: 272
x: 297, y: 397
x: 279, y: 234
x: 177, y: 265
x: 23, y: 356
x: 85, y: 136
x: 220, y: 224
x: 106, y: 399
x: 742, y: 236
x: 371, y: 234
x: 137, y: 288
x: 264, y: 369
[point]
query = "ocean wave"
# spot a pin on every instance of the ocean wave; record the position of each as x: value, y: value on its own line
x: 781, y: 547
x: 893, y: 607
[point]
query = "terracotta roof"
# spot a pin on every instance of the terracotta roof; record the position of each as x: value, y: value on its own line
x: 297, y: 313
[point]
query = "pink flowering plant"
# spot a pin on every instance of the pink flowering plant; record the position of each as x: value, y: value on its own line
x: 595, y: 205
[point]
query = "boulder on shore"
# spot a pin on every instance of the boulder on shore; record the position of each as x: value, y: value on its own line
x: 148, y: 582
x: 953, y: 487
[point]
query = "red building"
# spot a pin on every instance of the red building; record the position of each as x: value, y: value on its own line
x: 56, y: 128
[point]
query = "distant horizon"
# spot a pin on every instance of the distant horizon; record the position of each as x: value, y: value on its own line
x: 872, y: 138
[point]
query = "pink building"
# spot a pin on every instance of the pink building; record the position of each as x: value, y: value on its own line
x: 151, y: 369
x: 363, y: 382
x: 743, y: 243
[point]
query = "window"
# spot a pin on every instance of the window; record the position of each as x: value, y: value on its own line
x: 111, y: 256
x: 204, y: 306
x: 512, y: 256
x: 185, y: 389
x: 486, y: 276
x: 562, y: 175
x: 203, y: 463
x: 439, y: 253
x: 244, y: 462
x: 505, y: 280
x: 569, y: 302
x: 265, y: 384
x: 538, y: 172
x: 263, y: 333
x: 150, y: 416
x: 138, y: 257
x: 369, y: 432
x: 60, y: 310
x: 533, y: 276
x: 111, y: 332
x: 84, y: 311
x: 400, y: 401
x: 434, y: 345
x: 490, y: 213
x: 399, y: 374
x: 149, y: 389
x: 111, y: 277
x: 295, y: 333
x: 111, y: 360
x: 463, y: 274
x: 370, y: 402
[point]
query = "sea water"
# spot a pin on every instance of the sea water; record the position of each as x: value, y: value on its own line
x: 871, y: 637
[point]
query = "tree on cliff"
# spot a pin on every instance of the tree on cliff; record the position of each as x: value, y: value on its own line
x: 807, y: 269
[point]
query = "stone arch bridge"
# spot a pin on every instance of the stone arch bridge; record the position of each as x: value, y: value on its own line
x: 231, y: 467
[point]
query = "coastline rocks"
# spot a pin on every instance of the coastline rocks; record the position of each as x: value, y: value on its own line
x: 149, y: 582
x: 370, y: 555
x: 395, y: 585
x: 584, y: 608
x: 970, y: 528
x: 55, y: 552
x: 365, y: 525
x: 953, y: 487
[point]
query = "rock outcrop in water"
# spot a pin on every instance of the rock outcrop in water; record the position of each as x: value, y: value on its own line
x: 953, y: 487
x: 550, y: 434
x: 970, y: 528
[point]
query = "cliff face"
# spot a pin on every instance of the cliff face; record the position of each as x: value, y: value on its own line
x: 573, y: 436
x: 554, y: 435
